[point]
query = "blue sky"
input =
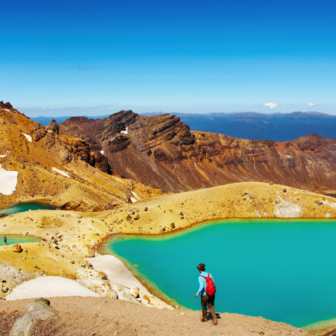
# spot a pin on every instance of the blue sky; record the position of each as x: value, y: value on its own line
x: 170, y: 56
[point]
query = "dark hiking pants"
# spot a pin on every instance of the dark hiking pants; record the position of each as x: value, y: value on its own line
x: 210, y: 301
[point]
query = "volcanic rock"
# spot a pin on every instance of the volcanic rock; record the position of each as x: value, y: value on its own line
x: 159, y: 150
x: 53, y: 127
x: 58, y: 168
x: 7, y: 106
x: 36, y: 310
x: 17, y: 248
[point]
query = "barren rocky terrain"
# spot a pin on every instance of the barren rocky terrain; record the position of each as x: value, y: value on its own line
x: 162, y: 152
x: 103, y: 316
x: 60, y: 169
x: 69, y: 237
x: 97, y: 173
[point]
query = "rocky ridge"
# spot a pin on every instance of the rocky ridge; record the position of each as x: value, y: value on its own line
x: 7, y: 106
x: 59, y: 169
x: 162, y: 152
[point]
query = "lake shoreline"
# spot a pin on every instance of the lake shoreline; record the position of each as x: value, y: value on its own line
x: 79, y: 233
x: 149, y: 285
x: 155, y: 288
x: 41, y: 204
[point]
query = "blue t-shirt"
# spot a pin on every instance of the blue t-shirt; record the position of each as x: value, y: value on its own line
x: 202, y: 283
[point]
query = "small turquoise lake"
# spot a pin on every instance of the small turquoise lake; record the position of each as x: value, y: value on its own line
x: 18, y: 239
x: 283, y: 270
x: 21, y: 207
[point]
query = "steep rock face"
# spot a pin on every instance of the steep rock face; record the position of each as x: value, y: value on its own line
x: 162, y: 152
x: 61, y: 169
x: 53, y: 127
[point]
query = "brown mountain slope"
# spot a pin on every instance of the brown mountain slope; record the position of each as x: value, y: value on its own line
x: 57, y: 168
x: 162, y: 152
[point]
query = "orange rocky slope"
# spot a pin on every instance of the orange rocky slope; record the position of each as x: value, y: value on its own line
x: 57, y: 168
x: 162, y: 152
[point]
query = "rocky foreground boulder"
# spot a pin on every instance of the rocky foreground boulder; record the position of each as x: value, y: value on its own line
x: 37, y: 310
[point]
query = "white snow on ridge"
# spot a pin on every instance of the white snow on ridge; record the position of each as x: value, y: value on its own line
x: 60, y: 172
x: 8, y: 181
x: 28, y: 137
x: 133, y: 200
x: 49, y: 286
x: 102, y: 152
x: 134, y: 194
x: 125, y: 132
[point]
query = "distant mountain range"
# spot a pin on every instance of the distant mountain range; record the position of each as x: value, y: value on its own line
x: 249, y: 125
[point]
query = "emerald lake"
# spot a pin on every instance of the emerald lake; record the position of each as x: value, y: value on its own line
x: 18, y: 239
x: 21, y: 207
x: 283, y: 270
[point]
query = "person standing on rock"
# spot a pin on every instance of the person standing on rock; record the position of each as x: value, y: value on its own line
x: 5, y: 240
x: 207, y: 292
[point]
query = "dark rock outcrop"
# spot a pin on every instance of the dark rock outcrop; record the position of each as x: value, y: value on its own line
x: 100, y: 161
x: 53, y: 127
x: 7, y: 106
x: 162, y: 152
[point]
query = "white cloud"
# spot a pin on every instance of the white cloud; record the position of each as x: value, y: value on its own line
x: 310, y: 105
x: 271, y: 106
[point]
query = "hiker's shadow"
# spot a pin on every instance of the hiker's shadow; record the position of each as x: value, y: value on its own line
x: 210, y: 317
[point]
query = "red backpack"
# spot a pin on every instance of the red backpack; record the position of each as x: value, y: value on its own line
x: 210, y: 285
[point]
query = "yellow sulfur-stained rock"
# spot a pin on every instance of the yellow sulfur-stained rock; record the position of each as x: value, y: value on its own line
x: 17, y: 248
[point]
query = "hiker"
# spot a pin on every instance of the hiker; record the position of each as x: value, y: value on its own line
x: 207, y: 291
x: 5, y: 240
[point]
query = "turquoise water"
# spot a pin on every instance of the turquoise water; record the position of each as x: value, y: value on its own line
x: 283, y: 270
x: 18, y: 239
x: 21, y: 207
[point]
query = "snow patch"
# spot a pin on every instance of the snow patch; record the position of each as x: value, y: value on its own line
x: 49, y: 286
x: 6, y: 110
x: 286, y: 209
x: 125, y: 132
x: 8, y: 181
x: 133, y: 200
x: 195, y: 164
x: 102, y: 152
x: 60, y: 172
x: 134, y: 194
x: 28, y: 137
